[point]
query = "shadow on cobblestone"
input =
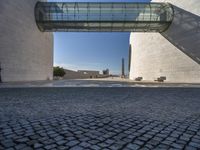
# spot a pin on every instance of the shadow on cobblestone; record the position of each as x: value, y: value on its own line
x: 156, y: 103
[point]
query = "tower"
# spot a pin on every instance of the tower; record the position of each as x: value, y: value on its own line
x: 123, y: 71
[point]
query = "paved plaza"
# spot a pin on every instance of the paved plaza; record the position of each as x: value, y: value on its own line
x: 108, y: 118
x: 96, y: 82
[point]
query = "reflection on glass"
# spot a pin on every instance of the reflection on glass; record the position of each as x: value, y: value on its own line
x: 126, y: 17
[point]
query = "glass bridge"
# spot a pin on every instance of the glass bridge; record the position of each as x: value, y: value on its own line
x: 103, y: 17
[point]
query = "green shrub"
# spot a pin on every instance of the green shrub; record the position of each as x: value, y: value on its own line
x: 58, y: 71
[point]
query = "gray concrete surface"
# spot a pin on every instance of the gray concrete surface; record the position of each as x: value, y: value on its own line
x: 26, y: 54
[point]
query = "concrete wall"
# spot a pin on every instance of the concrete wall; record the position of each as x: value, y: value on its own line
x: 70, y: 74
x: 173, y: 54
x: 25, y: 53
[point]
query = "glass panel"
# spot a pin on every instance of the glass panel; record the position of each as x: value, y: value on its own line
x: 82, y: 16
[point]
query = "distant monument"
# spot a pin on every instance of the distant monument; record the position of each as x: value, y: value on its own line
x: 123, y: 72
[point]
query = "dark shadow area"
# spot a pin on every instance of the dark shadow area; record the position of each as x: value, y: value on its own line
x: 184, y: 33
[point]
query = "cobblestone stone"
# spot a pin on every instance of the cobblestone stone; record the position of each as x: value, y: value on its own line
x: 133, y: 146
x: 72, y: 143
x: 37, y: 145
x: 196, y: 145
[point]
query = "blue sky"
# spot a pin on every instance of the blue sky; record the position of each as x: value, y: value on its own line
x: 91, y: 51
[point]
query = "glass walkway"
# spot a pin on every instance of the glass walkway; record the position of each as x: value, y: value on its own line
x: 103, y: 17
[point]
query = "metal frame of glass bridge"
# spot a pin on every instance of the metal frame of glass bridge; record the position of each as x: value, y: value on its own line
x: 103, y: 17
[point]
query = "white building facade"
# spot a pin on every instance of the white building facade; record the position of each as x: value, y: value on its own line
x: 26, y: 54
x: 172, y: 54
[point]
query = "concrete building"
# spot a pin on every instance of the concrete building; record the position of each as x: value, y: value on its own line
x: 90, y: 73
x: 172, y: 54
x: 83, y: 74
x: 26, y: 53
x: 71, y: 74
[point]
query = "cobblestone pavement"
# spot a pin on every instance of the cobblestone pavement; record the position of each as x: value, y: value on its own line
x: 104, y: 118
x: 95, y: 132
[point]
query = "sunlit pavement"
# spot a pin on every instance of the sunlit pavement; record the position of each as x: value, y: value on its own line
x: 100, y: 118
x: 102, y: 82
